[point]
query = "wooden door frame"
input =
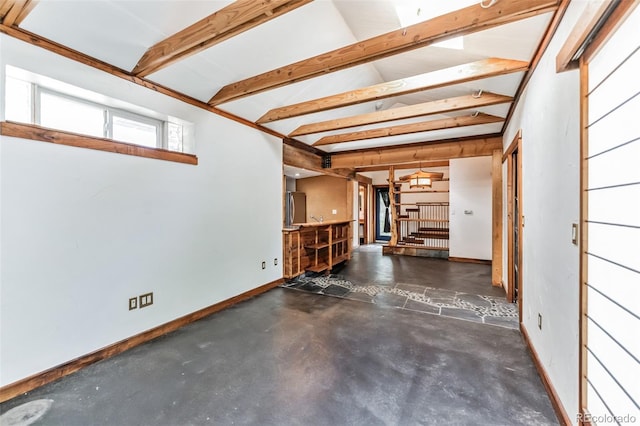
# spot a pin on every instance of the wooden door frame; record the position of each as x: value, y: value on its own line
x: 514, y: 148
x: 365, y: 208
x: 374, y: 210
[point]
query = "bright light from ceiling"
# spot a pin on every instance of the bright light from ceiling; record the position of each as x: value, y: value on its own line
x: 411, y: 12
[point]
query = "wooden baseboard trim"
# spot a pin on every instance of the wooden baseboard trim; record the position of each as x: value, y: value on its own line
x: 561, y: 413
x: 30, y: 383
x: 469, y: 260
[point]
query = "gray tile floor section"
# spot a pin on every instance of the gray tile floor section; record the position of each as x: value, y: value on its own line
x: 418, y: 294
x: 294, y: 358
x: 455, y: 304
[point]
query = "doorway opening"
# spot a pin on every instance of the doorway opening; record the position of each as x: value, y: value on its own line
x: 363, y: 228
x: 382, y: 213
x: 515, y: 222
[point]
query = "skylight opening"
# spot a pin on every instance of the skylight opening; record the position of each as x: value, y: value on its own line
x: 411, y: 12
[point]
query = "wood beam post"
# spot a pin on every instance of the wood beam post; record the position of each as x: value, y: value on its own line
x: 496, y: 193
x: 392, y: 208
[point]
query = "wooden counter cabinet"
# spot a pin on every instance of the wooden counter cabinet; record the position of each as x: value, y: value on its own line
x: 316, y: 247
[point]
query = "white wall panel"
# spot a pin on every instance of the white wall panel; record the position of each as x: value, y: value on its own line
x: 82, y: 231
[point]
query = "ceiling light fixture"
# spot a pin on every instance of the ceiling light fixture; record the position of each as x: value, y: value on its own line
x: 420, y: 179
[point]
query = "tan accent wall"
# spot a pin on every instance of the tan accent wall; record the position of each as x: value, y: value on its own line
x: 325, y: 194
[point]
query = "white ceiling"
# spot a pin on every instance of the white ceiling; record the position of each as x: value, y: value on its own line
x: 120, y: 31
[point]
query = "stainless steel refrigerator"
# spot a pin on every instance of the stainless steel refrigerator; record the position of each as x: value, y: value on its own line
x: 295, y: 208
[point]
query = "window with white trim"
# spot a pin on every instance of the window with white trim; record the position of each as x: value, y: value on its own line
x: 31, y: 103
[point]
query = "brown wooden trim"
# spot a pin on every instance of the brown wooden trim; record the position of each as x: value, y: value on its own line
x: 393, y: 242
x: 43, y: 134
x: 363, y: 179
x: 496, y: 208
x: 365, y: 211
x: 422, y: 151
x: 561, y: 413
x: 406, y: 129
x: 510, y: 241
x: 228, y: 22
x: 74, y: 55
x: 405, y: 166
x: 485, y: 68
x: 30, y: 383
x: 457, y: 23
x: 520, y: 231
x: 619, y: 15
x: 515, y: 149
x: 593, y: 13
x: 551, y: 30
x: 584, y: 237
x: 469, y: 260
x: 512, y: 146
x: 411, y: 111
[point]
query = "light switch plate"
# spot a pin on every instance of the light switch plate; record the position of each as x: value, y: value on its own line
x: 574, y: 233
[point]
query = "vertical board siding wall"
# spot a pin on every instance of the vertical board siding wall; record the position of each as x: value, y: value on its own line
x: 612, y: 224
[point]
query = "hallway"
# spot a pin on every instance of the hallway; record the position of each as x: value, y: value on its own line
x: 290, y: 357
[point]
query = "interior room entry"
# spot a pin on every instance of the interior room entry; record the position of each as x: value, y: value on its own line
x: 363, y: 231
x: 383, y: 213
x: 515, y: 221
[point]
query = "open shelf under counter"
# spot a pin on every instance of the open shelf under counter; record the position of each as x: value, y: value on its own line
x: 316, y: 246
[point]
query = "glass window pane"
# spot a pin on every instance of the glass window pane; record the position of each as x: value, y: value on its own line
x: 18, y: 100
x: 126, y: 130
x: 62, y: 113
x: 175, y: 138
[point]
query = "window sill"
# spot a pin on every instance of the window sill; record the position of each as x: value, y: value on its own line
x: 37, y: 133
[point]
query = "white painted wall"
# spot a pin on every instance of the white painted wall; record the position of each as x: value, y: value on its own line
x: 470, y: 186
x: 82, y: 231
x: 548, y: 114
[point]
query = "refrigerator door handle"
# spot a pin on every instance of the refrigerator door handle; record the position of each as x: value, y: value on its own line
x: 293, y: 208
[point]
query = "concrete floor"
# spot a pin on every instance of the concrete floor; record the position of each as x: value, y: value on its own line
x: 294, y: 358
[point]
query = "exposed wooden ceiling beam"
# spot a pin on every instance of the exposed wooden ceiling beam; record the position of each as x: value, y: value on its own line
x: 464, y: 21
x: 485, y: 68
x: 425, y: 151
x: 228, y: 22
x: 297, y: 157
x: 5, y: 6
x: 13, y: 12
x: 411, y: 111
x: 51, y: 46
x: 405, y: 129
x: 403, y: 166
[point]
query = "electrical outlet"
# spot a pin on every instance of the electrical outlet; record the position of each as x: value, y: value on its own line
x: 275, y: 261
x: 334, y: 211
x: 133, y: 303
x: 146, y: 300
x: 264, y: 264
x: 540, y: 321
